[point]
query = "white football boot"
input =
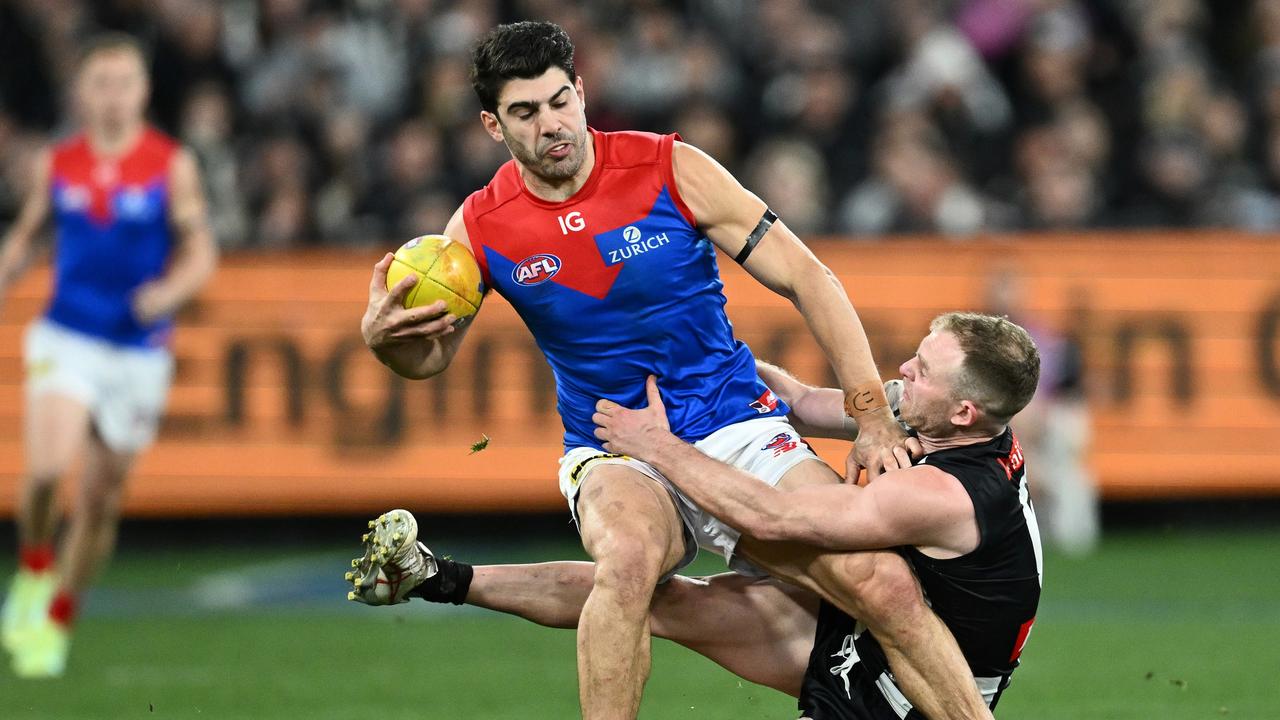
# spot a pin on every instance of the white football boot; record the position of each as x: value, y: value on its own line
x: 394, y: 562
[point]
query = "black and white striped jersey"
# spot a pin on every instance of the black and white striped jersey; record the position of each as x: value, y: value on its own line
x: 987, y: 598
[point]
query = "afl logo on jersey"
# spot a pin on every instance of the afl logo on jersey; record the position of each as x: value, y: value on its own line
x: 535, y: 269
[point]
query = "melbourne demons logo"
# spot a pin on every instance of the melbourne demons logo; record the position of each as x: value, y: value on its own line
x: 535, y: 269
x: 766, y: 403
x: 782, y: 442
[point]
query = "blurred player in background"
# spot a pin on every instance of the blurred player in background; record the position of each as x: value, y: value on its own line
x: 604, y: 243
x: 133, y: 244
x: 1055, y: 426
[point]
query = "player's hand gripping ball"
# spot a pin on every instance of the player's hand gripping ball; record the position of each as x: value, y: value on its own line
x: 446, y: 271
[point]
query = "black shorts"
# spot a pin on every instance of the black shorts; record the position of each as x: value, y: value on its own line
x: 840, y: 682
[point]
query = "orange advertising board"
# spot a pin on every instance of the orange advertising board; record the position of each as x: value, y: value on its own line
x: 277, y: 407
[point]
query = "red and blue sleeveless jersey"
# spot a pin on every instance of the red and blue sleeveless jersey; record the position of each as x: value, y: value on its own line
x: 113, y: 235
x: 617, y: 283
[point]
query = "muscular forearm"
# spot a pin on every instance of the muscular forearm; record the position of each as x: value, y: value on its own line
x: 190, y: 270
x: 815, y: 412
x: 196, y: 269
x: 15, y: 255
x: 782, y: 383
x: 418, y: 359
x: 822, y: 409
x: 835, y: 325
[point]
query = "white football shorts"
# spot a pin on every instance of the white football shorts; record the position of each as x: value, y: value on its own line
x: 764, y: 447
x: 125, y: 388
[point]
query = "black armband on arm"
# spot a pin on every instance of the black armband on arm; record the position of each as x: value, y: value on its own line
x: 753, y: 239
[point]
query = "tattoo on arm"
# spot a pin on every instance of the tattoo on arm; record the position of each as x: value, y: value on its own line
x: 861, y: 401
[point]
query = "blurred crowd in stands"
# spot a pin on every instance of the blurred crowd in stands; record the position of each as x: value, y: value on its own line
x: 353, y: 121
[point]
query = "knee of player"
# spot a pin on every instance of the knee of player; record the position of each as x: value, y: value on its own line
x: 101, y: 497
x: 43, y: 479
x: 631, y: 570
x: 92, y: 510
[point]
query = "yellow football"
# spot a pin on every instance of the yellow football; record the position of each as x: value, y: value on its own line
x: 446, y: 271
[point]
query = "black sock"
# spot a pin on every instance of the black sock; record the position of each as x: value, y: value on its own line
x: 450, y: 583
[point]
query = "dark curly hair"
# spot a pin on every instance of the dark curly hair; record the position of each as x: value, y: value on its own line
x: 518, y: 50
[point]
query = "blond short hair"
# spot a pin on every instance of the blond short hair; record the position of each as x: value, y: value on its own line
x: 1001, y: 365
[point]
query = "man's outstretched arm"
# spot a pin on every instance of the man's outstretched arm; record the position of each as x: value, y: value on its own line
x: 815, y: 412
x: 735, y: 220
x: 915, y: 506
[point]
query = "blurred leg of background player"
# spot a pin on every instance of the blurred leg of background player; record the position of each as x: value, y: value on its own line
x: 94, y: 402
x: 91, y: 534
x: 41, y: 648
x: 56, y: 429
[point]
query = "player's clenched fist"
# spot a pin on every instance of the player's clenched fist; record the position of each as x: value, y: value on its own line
x: 387, y: 322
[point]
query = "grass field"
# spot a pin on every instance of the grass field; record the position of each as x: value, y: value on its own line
x: 1155, y: 626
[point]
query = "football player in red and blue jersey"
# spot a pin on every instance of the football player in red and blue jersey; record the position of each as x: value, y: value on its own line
x: 605, y: 245
x: 132, y: 246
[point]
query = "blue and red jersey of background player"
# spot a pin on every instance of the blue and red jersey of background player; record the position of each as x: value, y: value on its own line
x: 113, y: 235
x: 617, y: 283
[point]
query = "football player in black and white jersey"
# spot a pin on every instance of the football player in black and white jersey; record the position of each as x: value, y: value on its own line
x: 959, y: 516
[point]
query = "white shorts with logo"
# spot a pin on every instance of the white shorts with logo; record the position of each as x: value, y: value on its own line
x: 764, y: 447
x: 125, y: 388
